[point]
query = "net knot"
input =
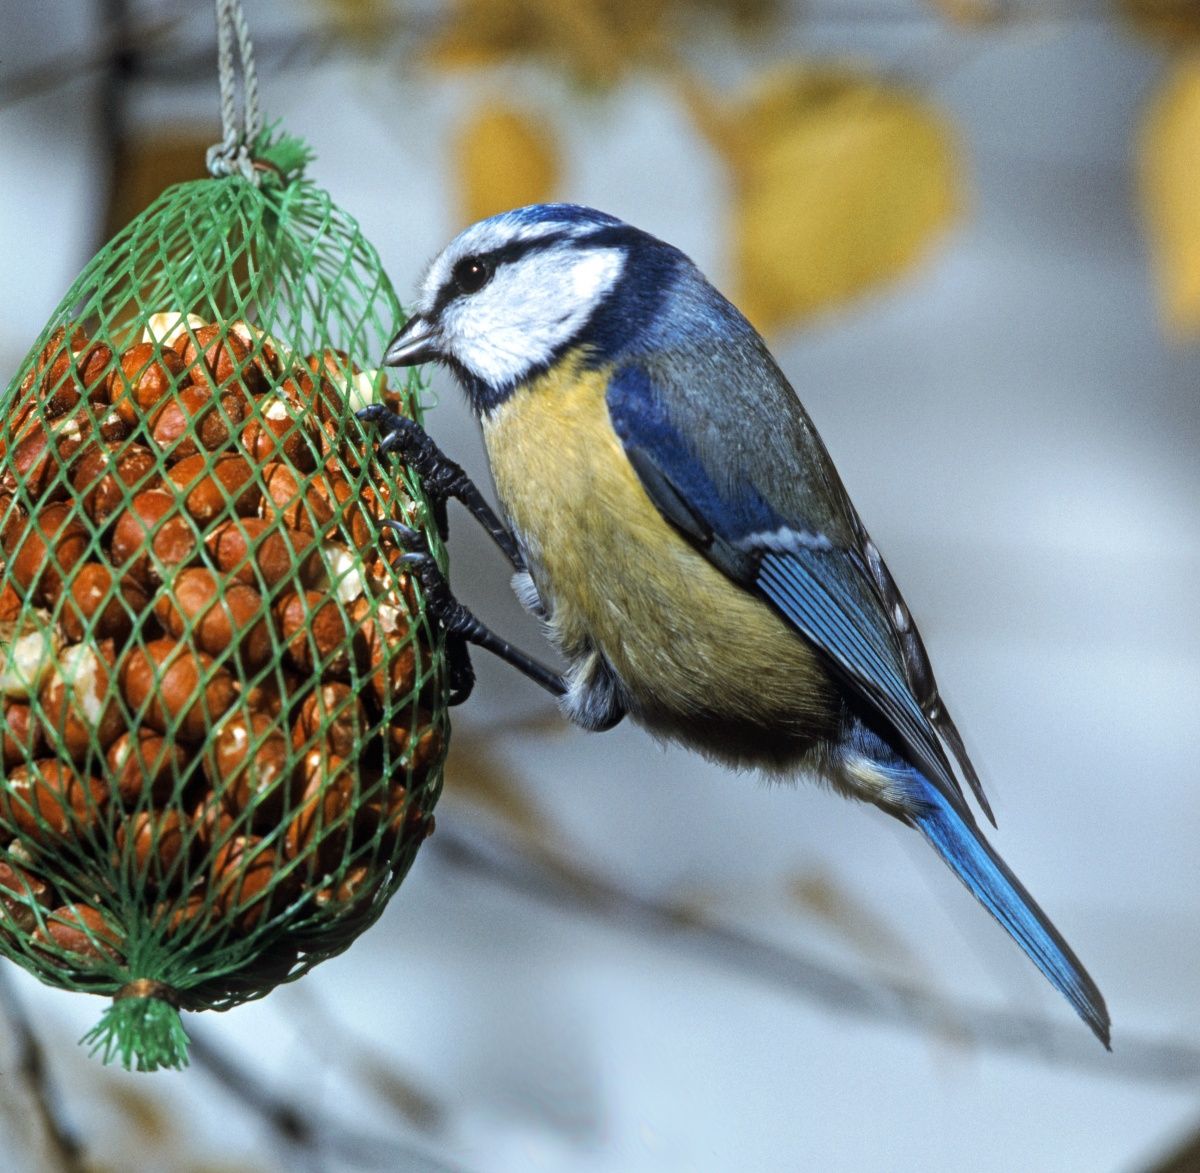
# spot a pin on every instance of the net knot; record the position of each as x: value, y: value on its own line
x: 148, y: 988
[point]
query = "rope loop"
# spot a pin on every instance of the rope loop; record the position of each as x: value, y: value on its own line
x: 231, y: 156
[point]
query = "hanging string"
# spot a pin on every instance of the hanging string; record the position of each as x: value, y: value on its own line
x: 232, y: 154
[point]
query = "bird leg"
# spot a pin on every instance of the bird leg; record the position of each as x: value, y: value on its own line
x: 441, y: 477
x: 461, y: 626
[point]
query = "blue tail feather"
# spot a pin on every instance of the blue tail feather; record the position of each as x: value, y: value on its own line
x: 960, y: 843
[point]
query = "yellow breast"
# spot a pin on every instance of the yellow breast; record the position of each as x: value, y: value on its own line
x: 615, y: 576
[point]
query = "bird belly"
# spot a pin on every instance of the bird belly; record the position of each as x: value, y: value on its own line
x: 697, y: 657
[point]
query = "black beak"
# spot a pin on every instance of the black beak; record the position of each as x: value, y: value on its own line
x: 416, y: 343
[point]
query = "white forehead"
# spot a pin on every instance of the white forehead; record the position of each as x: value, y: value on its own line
x: 486, y: 236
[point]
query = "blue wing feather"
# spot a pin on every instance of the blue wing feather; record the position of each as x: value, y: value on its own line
x: 817, y: 586
x: 813, y: 589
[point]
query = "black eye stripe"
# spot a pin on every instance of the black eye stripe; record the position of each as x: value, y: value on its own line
x: 504, y: 255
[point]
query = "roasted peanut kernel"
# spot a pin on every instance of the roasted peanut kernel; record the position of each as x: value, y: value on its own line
x: 106, y: 476
x: 275, y: 694
x: 58, y: 389
x: 390, y: 654
x: 74, y: 373
x: 98, y: 605
x: 334, y: 707
x: 386, y: 810
x: 82, y: 930
x: 22, y: 735
x: 262, y: 554
x: 355, y: 890
x: 153, y: 538
x: 213, y: 825
x: 143, y: 766
x: 44, y: 548
x: 49, y: 800
x: 293, y: 501
x: 20, y: 893
x: 156, y: 841
x: 249, y: 767
x: 177, y: 689
x: 145, y: 378
x: 260, y: 348
x: 56, y: 345
x: 79, y: 708
x: 11, y: 604
x: 223, y: 357
x: 38, y: 464
x: 334, y: 375
x: 29, y: 649
x: 314, y: 629
x: 216, y: 616
x: 279, y: 429
x: 428, y: 747
x: 95, y: 366
x: 342, y: 501
x: 176, y: 426
x: 183, y: 918
x: 244, y: 877
x: 320, y: 829
x: 212, y: 488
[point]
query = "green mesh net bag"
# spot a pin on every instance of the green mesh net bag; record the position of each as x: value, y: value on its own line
x: 223, y: 708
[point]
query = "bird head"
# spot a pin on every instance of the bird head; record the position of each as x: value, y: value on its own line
x: 512, y: 293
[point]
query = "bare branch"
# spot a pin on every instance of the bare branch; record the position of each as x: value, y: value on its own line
x: 28, y: 1064
x: 308, y: 1135
x: 532, y: 872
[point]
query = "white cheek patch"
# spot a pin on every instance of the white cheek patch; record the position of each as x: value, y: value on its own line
x: 529, y: 309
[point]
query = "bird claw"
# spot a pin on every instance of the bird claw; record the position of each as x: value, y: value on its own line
x: 442, y: 608
x: 440, y: 604
x: 406, y: 536
x: 406, y: 438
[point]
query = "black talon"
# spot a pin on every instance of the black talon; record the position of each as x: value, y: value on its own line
x: 440, y: 604
x: 405, y: 534
x: 463, y: 627
x: 462, y: 671
x: 408, y: 439
x: 440, y: 476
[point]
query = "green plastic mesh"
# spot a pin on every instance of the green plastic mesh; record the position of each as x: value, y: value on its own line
x: 223, y: 707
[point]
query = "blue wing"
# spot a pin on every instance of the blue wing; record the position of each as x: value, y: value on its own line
x: 818, y: 567
x: 821, y: 584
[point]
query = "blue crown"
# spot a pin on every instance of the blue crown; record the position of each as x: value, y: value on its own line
x: 573, y: 214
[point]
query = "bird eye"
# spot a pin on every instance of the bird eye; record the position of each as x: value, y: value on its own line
x: 471, y: 274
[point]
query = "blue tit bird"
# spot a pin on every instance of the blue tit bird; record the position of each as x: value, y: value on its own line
x: 675, y: 522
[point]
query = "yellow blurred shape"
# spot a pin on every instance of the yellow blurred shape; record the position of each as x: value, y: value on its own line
x: 841, y: 182
x: 504, y: 159
x: 1173, y: 21
x: 971, y: 13
x: 1170, y: 181
x: 364, y: 21
x: 595, y: 41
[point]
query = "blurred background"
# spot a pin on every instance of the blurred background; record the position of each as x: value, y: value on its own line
x: 971, y: 231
